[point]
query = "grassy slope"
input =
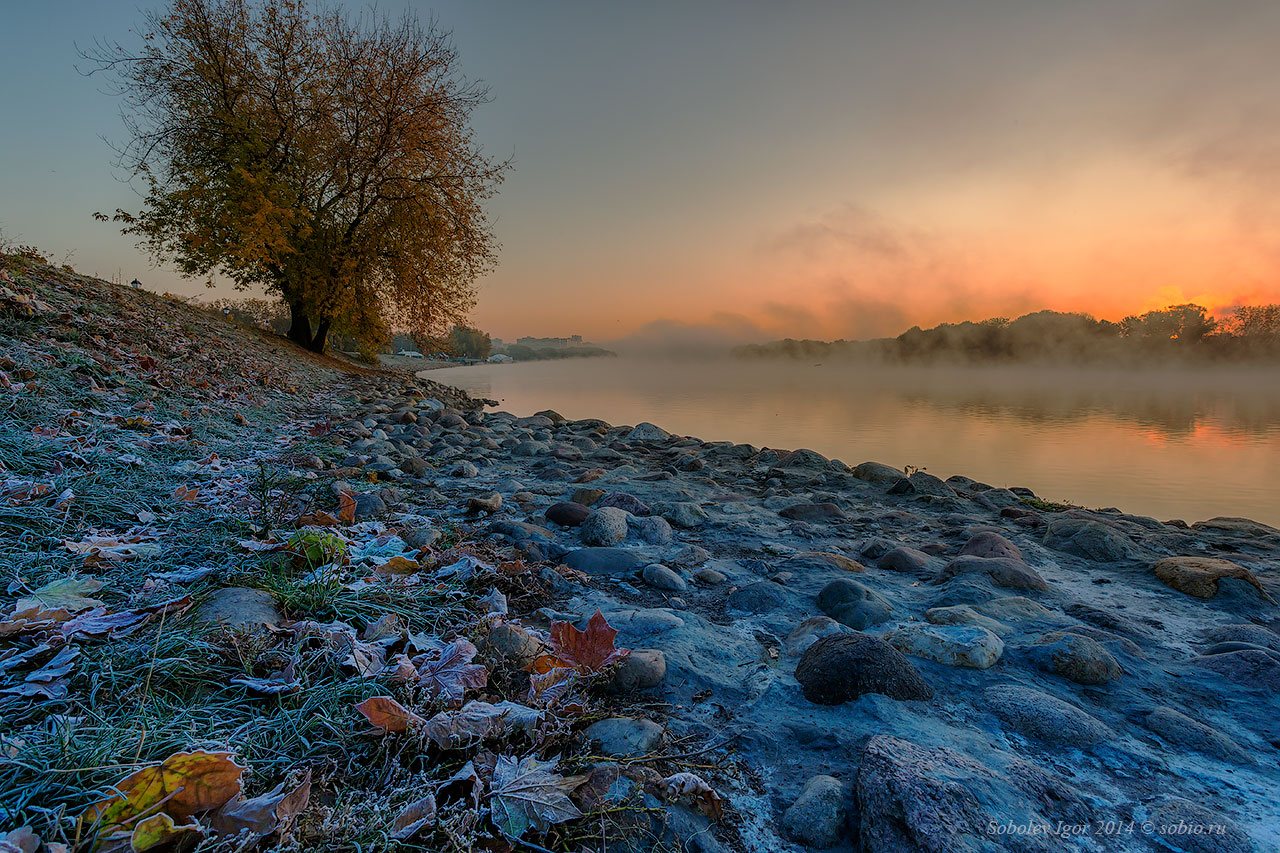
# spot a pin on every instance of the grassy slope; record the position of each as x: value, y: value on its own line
x: 122, y: 398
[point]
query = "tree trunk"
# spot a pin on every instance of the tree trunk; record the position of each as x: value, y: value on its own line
x: 299, y: 325
x: 322, y: 333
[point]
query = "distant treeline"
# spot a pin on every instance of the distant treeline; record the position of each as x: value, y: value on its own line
x: 521, y: 352
x: 1246, y: 333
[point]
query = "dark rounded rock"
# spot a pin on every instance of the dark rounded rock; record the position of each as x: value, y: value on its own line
x: 625, y: 502
x: 841, y: 667
x: 853, y: 604
x: 567, y: 513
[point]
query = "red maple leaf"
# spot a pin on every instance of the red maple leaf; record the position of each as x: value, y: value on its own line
x: 585, y: 651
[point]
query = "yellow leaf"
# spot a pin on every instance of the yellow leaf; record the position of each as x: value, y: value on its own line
x: 183, y: 784
x: 157, y: 830
x: 399, y: 566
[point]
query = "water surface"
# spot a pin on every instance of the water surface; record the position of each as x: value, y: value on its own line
x: 1187, y: 444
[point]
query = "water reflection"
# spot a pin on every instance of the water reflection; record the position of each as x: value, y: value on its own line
x: 1191, y: 443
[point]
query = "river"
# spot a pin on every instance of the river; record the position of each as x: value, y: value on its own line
x: 1187, y: 444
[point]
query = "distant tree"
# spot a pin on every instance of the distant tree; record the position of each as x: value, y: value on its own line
x: 470, y: 343
x: 1183, y: 324
x: 327, y: 159
x: 1255, y: 322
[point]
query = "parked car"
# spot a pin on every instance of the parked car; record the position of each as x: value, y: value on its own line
x: 409, y: 353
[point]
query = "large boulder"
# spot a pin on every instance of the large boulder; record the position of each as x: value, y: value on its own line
x: 1090, y: 539
x: 911, y: 797
x: 853, y: 604
x: 1184, y: 732
x: 817, y: 817
x: 1046, y: 718
x: 1199, y: 576
x: 1075, y: 658
x: 604, y: 527
x: 239, y: 607
x: 921, y: 483
x: 647, y: 432
x: 1003, y: 571
x: 841, y: 667
x: 954, y: 645
x: 988, y: 543
x: 878, y: 472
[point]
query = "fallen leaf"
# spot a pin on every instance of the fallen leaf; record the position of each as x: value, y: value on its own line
x: 99, y: 623
x: 479, y: 720
x: 692, y: 787
x: 158, y: 830
x: 70, y: 594
x: 187, y: 494
x: 525, y: 793
x: 548, y: 688
x: 586, y: 651
x: 265, y: 813
x: 388, y: 715
x: 317, y: 519
x: 182, y: 785
x: 447, y: 671
x: 398, y: 566
x: 60, y: 666
x: 22, y: 840
x: 413, y: 818
x: 276, y: 684
x: 346, y: 508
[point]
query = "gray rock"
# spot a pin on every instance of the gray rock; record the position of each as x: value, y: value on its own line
x: 817, y: 817
x: 369, y: 506
x: 987, y: 543
x: 709, y: 577
x: 690, y: 556
x: 239, y: 607
x: 513, y: 642
x: 1189, y: 827
x: 642, y: 669
x: 464, y: 469
x: 1075, y: 658
x: 953, y: 645
x: 911, y: 797
x: 877, y: 472
x: 758, y: 597
x: 841, y: 667
x: 659, y: 576
x: 1251, y: 668
x: 488, y: 504
x: 810, y: 631
x: 921, y: 483
x: 907, y: 560
x: 850, y: 603
x: 1255, y: 635
x: 647, y: 432
x: 963, y: 614
x: 652, y: 529
x: 624, y: 501
x: 814, y: 512
x: 1090, y: 539
x: 604, y: 526
x: 605, y: 561
x: 1044, y: 717
x: 625, y: 737
x: 1003, y: 571
x: 685, y: 515
x: 1184, y: 732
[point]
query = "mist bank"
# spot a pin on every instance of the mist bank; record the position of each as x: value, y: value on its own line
x: 1177, y: 334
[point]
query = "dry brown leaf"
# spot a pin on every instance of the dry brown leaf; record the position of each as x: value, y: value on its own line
x: 265, y: 813
x: 413, y: 818
x: 447, y: 671
x: 346, y: 508
x: 585, y: 651
x: 388, y: 715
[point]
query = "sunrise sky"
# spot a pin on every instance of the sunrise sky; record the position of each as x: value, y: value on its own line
x: 754, y: 170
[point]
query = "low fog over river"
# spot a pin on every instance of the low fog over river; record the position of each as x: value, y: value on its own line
x: 1189, y: 444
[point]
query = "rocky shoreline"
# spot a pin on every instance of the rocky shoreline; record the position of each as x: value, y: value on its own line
x: 894, y: 662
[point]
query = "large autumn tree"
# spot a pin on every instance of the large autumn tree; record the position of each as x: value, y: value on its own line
x: 324, y: 158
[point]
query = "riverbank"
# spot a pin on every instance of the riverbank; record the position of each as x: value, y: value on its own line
x: 222, y: 546
x: 1064, y: 665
